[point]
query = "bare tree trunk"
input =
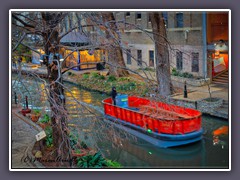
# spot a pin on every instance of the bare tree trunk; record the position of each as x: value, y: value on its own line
x: 56, y: 99
x: 115, y: 55
x: 162, y: 54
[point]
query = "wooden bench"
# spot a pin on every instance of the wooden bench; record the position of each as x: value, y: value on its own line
x: 161, y: 113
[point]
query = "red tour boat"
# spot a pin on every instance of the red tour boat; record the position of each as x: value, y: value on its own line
x: 164, y: 125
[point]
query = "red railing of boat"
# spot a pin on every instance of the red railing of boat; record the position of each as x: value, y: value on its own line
x: 159, y: 117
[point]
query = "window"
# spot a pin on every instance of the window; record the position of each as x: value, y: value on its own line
x: 129, y: 58
x: 149, y: 19
x: 195, y: 62
x: 179, y: 60
x: 165, y: 17
x: 139, y: 57
x: 151, y: 58
x: 179, y: 19
x: 139, y: 15
x: 127, y: 14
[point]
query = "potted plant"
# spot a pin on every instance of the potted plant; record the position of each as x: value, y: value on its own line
x: 35, y: 115
x: 79, y: 152
x: 44, y: 121
x: 25, y: 110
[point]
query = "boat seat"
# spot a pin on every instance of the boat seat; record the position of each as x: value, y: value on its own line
x: 162, y: 113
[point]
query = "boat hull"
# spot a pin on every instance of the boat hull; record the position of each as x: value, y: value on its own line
x: 159, y: 140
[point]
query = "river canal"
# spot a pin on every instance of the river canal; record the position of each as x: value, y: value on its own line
x: 131, y: 152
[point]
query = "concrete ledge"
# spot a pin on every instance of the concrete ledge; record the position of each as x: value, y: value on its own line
x: 209, y: 107
x: 191, y: 81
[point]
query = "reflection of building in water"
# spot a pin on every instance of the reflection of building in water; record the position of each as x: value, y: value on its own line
x: 86, y: 97
x: 192, y: 156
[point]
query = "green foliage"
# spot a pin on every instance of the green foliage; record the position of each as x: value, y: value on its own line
x: 45, y: 119
x: 92, y: 161
x: 187, y: 75
x: 85, y: 76
x: 101, y: 77
x: 180, y: 74
x: 95, y: 75
x: 24, y: 52
x: 83, y: 145
x: 96, y: 161
x: 147, y: 69
x: 73, y: 140
x: 22, y: 49
x: 111, y: 78
x: 36, y: 111
x: 78, y: 151
x: 113, y: 164
x: 124, y: 79
x: 175, y: 72
x: 144, y: 92
x: 49, y: 138
x: 128, y: 86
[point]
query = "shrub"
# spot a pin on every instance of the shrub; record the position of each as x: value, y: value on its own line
x: 73, y: 140
x: 187, y: 75
x: 92, y: 161
x: 49, y: 138
x: 101, y: 77
x: 111, y: 78
x: 36, y: 111
x: 85, y: 76
x: 94, y: 75
x: 45, y: 119
x: 175, y: 72
x: 123, y: 78
x: 128, y: 86
x: 113, y: 164
x: 149, y: 69
x: 83, y: 145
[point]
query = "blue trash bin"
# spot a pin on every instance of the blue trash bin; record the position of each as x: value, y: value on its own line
x: 122, y: 100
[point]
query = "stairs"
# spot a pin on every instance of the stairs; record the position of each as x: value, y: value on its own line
x: 221, y: 79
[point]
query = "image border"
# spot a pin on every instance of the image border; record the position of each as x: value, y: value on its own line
x: 140, y: 169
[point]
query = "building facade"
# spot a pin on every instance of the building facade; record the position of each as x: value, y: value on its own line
x: 193, y: 37
x: 185, y: 33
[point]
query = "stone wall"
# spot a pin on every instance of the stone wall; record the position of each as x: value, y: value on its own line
x: 191, y: 81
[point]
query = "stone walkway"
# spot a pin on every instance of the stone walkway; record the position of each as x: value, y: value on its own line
x: 23, y: 133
